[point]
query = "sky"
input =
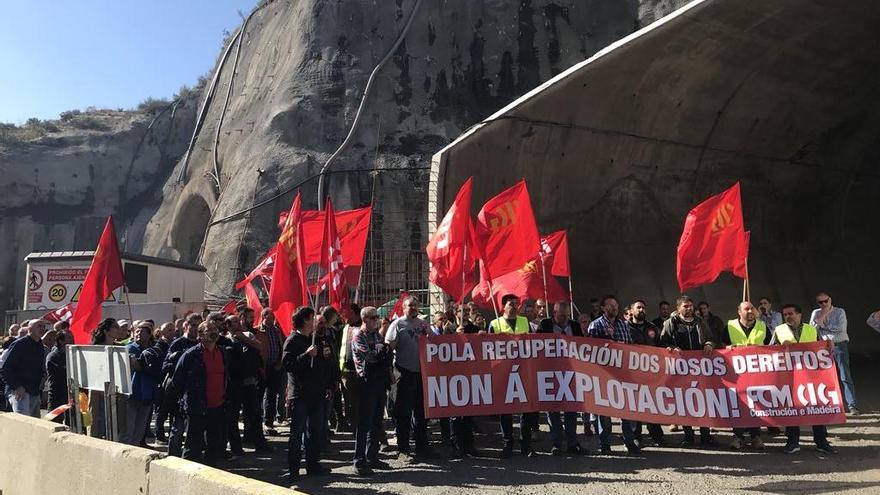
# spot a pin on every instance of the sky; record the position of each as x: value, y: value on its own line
x: 72, y: 54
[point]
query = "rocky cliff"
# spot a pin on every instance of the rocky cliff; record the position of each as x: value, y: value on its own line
x: 62, y: 178
x: 288, y: 86
x: 290, y: 89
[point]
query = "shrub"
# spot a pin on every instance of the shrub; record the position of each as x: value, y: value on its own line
x: 152, y: 105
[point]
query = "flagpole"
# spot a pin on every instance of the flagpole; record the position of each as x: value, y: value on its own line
x: 570, y: 294
x: 127, y: 303
x: 492, y: 297
x: 746, y: 294
x: 544, y: 278
x: 357, y: 290
x: 463, y: 274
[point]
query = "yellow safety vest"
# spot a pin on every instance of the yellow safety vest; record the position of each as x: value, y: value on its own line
x: 785, y: 335
x: 500, y: 325
x: 738, y: 335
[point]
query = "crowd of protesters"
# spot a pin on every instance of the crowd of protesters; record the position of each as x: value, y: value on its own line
x: 211, y: 383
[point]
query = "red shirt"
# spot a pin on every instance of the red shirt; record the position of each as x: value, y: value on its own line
x: 214, y: 377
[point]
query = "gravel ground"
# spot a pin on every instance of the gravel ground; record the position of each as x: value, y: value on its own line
x: 854, y: 469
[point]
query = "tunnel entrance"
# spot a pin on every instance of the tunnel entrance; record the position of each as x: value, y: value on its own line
x: 190, y: 226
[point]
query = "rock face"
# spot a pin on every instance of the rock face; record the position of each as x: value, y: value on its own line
x: 295, y: 89
x: 284, y: 100
x: 59, y: 188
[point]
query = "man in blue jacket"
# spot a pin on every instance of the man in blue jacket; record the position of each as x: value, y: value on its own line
x: 23, y: 368
x: 170, y: 407
x: 200, y: 378
x: 146, y: 366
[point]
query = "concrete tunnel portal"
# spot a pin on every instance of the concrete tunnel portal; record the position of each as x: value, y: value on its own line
x: 778, y: 95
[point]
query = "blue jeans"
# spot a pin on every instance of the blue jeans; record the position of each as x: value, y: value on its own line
x: 29, y: 405
x: 556, y: 420
x: 306, y: 429
x: 841, y: 356
x: 137, y: 418
x: 627, y: 427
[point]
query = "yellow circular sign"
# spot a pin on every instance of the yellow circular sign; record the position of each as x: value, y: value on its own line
x: 57, y: 293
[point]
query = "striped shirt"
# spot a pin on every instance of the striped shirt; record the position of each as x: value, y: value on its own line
x: 604, y: 329
x: 276, y: 341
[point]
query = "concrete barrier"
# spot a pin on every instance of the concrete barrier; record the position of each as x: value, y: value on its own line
x: 24, y: 442
x: 173, y: 476
x: 41, y: 457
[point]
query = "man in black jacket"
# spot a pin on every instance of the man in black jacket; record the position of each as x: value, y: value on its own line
x: 309, y: 366
x: 644, y: 332
x: 372, y: 361
x: 246, y: 362
x: 686, y: 331
x: 170, y: 397
x: 562, y: 324
x: 22, y: 370
x: 56, y: 371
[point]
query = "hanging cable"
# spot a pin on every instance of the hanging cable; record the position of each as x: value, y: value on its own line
x: 357, y: 115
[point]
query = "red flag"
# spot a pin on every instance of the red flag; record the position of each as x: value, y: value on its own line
x: 525, y: 283
x: 332, y: 261
x: 452, y: 249
x: 104, y: 276
x: 507, y: 232
x: 288, y: 290
x: 398, y: 310
x: 352, y: 226
x: 712, y: 240
x: 253, y: 302
x: 230, y: 307
x: 555, y: 250
x: 263, y: 270
x: 64, y: 313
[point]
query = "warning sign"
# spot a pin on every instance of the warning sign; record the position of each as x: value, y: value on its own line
x: 58, y: 284
x: 75, y: 296
x: 36, y: 280
x: 66, y: 274
x: 57, y: 293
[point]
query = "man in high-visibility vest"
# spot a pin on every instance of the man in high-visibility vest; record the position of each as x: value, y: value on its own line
x: 746, y: 330
x: 512, y: 324
x: 795, y: 331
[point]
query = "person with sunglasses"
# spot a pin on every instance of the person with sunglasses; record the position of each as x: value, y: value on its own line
x: 831, y: 322
x: 372, y: 362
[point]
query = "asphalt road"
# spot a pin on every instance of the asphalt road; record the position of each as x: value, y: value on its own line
x: 663, y: 471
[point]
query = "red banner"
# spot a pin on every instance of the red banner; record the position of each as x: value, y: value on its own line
x: 477, y: 375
